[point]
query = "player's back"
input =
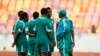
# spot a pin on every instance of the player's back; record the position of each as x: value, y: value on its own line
x: 30, y: 28
x: 31, y: 24
x: 41, y: 33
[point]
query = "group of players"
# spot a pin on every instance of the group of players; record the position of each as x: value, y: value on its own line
x: 36, y: 37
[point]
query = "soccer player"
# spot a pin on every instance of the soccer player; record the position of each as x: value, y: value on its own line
x: 30, y: 26
x: 20, y: 39
x: 19, y: 14
x: 52, y: 33
x: 65, y: 34
x: 43, y: 30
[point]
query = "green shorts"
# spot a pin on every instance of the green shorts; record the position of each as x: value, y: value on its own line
x: 21, y: 48
x: 32, y: 50
x: 52, y: 49
x: 43, y: 48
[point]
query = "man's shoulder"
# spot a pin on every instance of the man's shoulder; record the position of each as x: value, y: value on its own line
x: 19, y: 22
x: 67, y: 19
x: 51, y: 19
x: 42, y: 17
x: 70, y: 20
x: 36, y: 20
x: 32, y: 21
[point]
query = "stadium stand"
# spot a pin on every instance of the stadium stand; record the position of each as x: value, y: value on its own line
x: 84, y: 13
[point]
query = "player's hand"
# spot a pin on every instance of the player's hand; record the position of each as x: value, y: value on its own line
x: 13, y: 44
x: 54, y: 43
x: 51, y: 45
x: 58, y: 45
x: 12, y: 33
x: 73, y: 44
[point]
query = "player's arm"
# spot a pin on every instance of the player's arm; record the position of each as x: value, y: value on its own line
x: 28, y: 33
x: 15, y: 34
x: 56, y: 37
x: 49, y: 35
x: 13, y: 30
x: 56, y: 26
x: 73, y: 38
x: 50, y: 38
x: 18, y: 29
x: 53, y: 34
x: 49, y: 30
x: 72, y: 33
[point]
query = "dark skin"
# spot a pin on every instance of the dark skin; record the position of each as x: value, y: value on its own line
x: 28, y: 33
x: 73, y: 43
x: 49, y: 15
x: 52, y: 44
x: 15, y: 34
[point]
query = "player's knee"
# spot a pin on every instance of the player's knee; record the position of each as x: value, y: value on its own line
x: 25, y: 54
x: 49, y: 53
x: 20, y: 54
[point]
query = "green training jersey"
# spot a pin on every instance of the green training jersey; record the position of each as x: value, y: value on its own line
x: 52, y: 27
x: 30, y: 27
x: 66, y: 40
x: 20, y: 28
x: 42, y: 27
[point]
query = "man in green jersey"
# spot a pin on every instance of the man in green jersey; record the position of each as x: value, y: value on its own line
x: 43, y: 30
x: 66, y: 37
x: 30, y: 31
x: 19, y: 35
x: 52, y: 33
x: 19, y: 14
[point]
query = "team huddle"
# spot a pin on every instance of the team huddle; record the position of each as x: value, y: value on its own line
x: 36, y: 37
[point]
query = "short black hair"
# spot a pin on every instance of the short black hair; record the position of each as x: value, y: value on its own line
x: 48, y: 8
x: 35, y: 15
x: 44, y: 11
x: 23, y: 15
x: 19, y: 13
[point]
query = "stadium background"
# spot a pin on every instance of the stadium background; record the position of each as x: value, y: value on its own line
x: 83, y: 13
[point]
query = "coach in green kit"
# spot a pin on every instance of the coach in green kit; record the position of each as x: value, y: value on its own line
x: 30, y: 31
x: 66, y: 38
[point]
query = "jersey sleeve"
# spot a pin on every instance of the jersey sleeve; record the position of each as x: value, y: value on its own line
x: 49, y: 27
x: 19, y: 27
x: 34, y: 28
x: 64, y: 25
x: 13, y: 29
x: 71, y: 26
x: 27, y: 26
